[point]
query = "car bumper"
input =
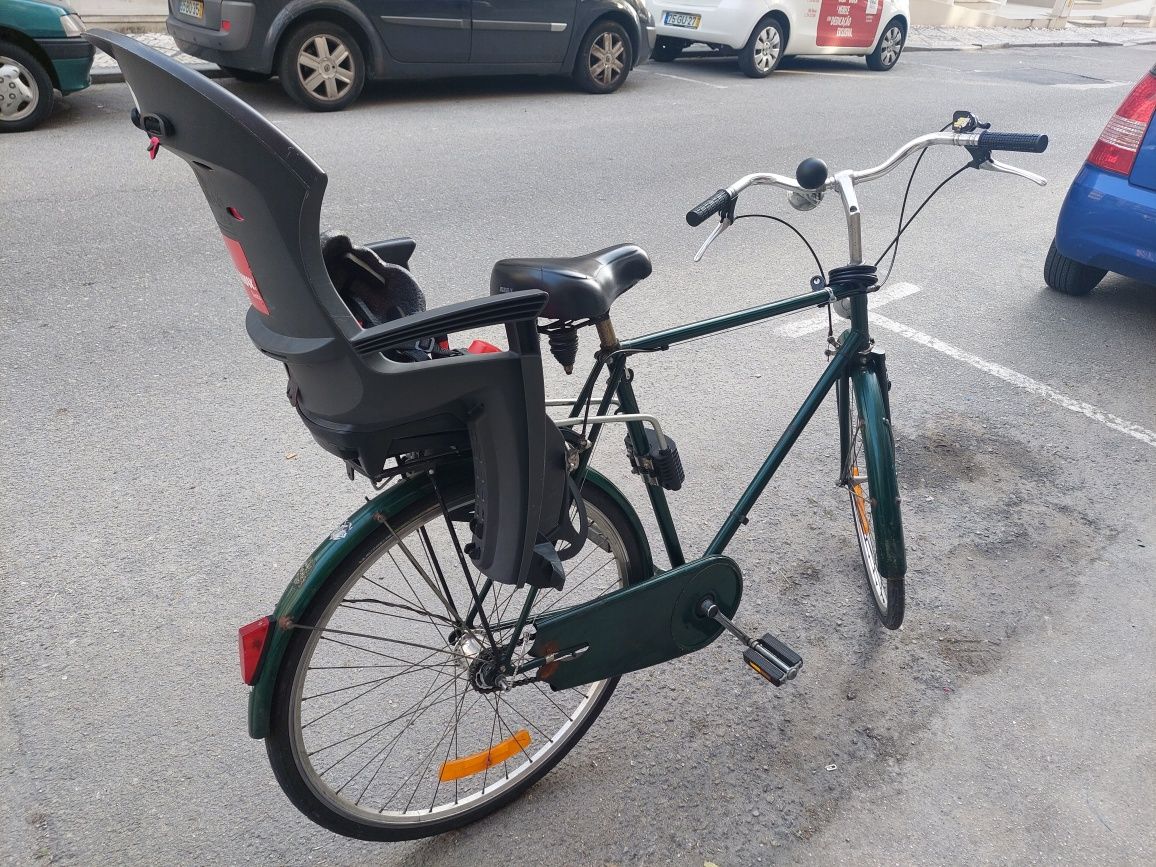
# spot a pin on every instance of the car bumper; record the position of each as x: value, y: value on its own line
x: 729, y: 24
x: 209, y: 41
x: 649, y: 34
x: 72, y: 61
x: 1109, y: 223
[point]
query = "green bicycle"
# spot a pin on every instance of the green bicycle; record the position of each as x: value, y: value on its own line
x: 452, y: 640
x: 408, y: 696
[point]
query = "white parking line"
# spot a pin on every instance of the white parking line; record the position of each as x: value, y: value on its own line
x: 691, y: 80
x: 1020, y: 381
x: 1100, y: 85
x: 813, y: 322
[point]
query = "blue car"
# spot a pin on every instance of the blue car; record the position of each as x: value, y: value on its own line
x: 1108, y: 220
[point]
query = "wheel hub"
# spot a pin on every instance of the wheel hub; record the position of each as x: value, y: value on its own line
x: 479, y: 662
x: 485, y: 673
x: 17, y: 91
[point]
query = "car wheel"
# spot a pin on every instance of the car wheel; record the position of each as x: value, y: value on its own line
x: 1069, y: 276
x: 25, y: 89
x: 667, y: 49
x: 247, y: 75
x: 322, y: 66
x: 886, y: 53
x: 604, y: 58
x: 763, y: 51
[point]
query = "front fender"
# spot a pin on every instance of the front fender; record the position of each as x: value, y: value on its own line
x: 589, y: 11
x: 315, y: 572
x: 289, y: 16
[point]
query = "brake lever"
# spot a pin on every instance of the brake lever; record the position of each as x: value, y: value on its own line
x: 995, y: 166
x: 725, y: 223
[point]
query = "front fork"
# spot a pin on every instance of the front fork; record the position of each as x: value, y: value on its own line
x: 871, y: 361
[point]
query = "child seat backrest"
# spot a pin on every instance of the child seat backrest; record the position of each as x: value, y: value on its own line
x: 358, y: 397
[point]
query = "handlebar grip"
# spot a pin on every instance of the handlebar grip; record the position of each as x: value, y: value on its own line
x: 1026, y: 142
x: 699, y: 213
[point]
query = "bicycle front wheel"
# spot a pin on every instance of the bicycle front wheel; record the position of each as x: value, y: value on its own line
x: 869, y: 476
x: 388, y: 722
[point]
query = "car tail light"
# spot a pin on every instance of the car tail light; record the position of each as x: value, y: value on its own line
x: 251, y: 640
x: 1120, y: 140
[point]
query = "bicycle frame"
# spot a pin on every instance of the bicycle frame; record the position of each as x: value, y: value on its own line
x: 853, y: 352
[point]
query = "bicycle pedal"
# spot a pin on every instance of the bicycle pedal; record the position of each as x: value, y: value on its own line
x: 773, y: 659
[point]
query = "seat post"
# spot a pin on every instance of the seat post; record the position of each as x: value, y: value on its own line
x: 606, y: 335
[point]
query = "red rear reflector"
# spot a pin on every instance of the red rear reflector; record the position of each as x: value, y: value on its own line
x: 241, y: 263
x: 226, y: 25
x: 251, y: 644
x: 1116, y: 149
x: 480, y: 347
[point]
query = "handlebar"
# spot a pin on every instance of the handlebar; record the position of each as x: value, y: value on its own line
x: 982, y: 141
x: 1026, y: 142
x: 704, y: 210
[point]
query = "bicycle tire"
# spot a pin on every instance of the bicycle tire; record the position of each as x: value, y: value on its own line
x: 875, y: 513
x: 293, y: 764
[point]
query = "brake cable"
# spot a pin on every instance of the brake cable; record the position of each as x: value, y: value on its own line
x: 802, y: 237
x: 903, y: 209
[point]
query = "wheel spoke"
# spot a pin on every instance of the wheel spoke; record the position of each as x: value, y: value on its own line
x: 314, y: 81
x: 327, y: 632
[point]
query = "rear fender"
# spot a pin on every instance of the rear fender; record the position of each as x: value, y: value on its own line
x: 315, y: 572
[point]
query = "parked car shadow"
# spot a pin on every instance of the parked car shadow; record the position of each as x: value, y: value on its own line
x: 377, y: 93
x: 1119, y: 306
x: 726, y: 64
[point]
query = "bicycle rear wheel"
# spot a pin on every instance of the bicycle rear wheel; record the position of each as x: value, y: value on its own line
x: 383, y: 726
x: 868, y: 473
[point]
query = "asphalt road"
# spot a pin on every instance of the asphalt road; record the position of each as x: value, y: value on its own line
x: 149, y: 507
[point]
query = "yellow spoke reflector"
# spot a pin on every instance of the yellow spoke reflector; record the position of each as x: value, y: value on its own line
x: 860, y: 504
x: 467, y: 766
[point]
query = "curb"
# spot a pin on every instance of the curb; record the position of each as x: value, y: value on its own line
x: 975, y: 46
x: 115, y: 76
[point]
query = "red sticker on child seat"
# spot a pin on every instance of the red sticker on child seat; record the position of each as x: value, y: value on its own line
x: 241, y: 263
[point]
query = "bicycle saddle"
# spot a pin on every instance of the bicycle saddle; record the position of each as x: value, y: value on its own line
x: 581, y: 287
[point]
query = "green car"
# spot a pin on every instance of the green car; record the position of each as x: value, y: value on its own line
x: 41, y: 50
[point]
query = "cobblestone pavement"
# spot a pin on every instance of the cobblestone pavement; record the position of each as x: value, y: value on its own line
x: 922, y: 39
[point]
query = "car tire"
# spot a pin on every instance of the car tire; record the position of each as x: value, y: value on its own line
x: 886, y: 53
x: 247, y: 75
x: 764, y: 50
x: 1069, y: 276
x: 322, y: 66
x: 25, y: 89
x: 605, y: 58
x: 667, y: 49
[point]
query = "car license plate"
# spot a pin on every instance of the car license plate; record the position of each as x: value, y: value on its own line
x: 192, y: 8
x: 682, y: 19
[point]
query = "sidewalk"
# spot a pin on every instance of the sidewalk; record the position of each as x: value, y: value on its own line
x: 922, y: 38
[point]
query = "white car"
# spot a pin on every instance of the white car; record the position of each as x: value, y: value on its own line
x: 762, y: 32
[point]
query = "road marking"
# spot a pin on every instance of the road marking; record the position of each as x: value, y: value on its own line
x: 691, y: 80
x: 1020, y: 381
x: 1097, y: 86
x: 813, y: 322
